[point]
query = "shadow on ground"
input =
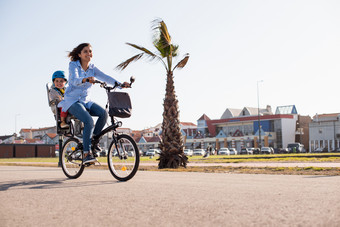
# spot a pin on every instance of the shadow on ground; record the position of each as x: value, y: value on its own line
x: 49, y: 184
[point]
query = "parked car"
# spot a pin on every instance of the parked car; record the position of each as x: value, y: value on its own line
x: 152, y: 152
x: 233, y: 151
x: 267, y: 150
x: 336, y: 150
x: 295, y: 147
x: 188, y: 152
x: 199, y: 152
x: 256, y: 150
x: 224, y: 151
x: 318, y: 150
x: 246, y: 150
x: 283, y: 151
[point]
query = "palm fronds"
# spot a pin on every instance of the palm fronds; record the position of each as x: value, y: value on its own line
x: 124, y: 64
x: 182, y: 63
x: 148, y: 52
x: 162, y: 36
x: 145, y: 51
x: 162, y: 39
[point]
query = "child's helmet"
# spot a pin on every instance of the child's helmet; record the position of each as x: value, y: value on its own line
x: 58, y: 74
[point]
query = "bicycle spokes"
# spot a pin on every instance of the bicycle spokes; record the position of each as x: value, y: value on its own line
x: 123, y: 158
x: 72, y: 158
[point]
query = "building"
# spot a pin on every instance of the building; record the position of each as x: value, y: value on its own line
x: 7, y: 139
x: 148, y: 142
x: 32, y: 133
x: 50, y: 138
x: 324, y: 132
x: 150, y: 138
x: 240, y: 128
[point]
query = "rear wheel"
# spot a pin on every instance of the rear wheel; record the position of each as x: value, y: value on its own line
x: 72, y: 158
x: 123, y: 158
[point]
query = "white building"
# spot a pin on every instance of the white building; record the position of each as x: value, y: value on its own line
x: 324, y: 132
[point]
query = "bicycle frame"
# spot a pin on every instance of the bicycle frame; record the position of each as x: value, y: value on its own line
x: 123, y: 155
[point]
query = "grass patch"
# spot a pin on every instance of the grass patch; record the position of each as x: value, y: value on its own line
x: 329, y: 171
x: 254, y: 170
x: 328, y: 157
x: 53, y: 160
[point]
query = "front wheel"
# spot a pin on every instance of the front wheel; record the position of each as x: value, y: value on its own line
x: 72, y: 158
x: 123, y: 158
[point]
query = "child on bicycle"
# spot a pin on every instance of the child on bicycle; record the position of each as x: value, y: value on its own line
x: 56, y: 94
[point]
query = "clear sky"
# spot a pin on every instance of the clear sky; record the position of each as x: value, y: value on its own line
x: 292, y: 45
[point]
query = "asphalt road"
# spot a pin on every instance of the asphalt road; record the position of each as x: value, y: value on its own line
x: 43, y: 196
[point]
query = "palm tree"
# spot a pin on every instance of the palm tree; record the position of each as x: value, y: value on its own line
x: 172, y: 155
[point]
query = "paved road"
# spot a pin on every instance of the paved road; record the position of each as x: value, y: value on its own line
x: 32, y: 196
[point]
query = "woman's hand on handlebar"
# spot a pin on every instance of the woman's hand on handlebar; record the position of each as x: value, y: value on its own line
x: 125, y: 85
x: 89, y: 79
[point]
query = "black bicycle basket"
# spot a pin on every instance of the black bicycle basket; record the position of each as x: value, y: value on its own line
x: 119, y: 104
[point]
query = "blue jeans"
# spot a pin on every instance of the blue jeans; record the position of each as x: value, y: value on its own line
x: 80, y: 112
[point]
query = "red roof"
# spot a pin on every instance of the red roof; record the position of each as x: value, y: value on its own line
x: 32, y: 140
x: 25, y: 130
x: 51, y: 135
x: 188, y: 124
x: 204, y: 117
x: 136, y: 135
x: 327, y: 115
x: 152, y: 139
x: 34, y: 129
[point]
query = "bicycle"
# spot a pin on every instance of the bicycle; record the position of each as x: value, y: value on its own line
x: 123, y: 154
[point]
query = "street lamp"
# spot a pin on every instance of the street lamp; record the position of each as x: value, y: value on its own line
x: 258, y: 112
x: 15, y: 132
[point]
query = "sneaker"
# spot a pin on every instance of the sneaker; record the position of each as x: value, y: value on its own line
x: 64, y: 125
x: 89, y: 158
x: 94, y: 154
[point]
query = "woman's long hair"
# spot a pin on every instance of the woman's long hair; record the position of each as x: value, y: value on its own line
x: 73, y: 55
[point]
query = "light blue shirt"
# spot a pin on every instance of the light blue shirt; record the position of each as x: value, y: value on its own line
x: 79, y: 91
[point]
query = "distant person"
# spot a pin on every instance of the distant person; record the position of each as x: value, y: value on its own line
x: 56, y: 95
x: 82, y: 75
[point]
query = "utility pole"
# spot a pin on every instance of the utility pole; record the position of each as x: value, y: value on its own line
x: 258, y: 113
x: 15, y: 125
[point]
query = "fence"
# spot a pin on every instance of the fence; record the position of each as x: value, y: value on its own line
x: 26, y: 150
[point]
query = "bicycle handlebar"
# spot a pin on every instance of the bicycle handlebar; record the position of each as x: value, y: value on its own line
x: 104, y: 85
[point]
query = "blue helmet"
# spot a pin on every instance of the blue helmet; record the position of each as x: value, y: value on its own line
x: 58, y: 74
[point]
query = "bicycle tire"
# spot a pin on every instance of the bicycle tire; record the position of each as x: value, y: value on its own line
x: 72, y: 159
x: 123, y: 164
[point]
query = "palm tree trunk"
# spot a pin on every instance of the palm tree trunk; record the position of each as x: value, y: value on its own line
x: 172, y: 155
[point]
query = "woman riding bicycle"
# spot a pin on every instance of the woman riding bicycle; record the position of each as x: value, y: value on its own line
x: 82, y: 75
